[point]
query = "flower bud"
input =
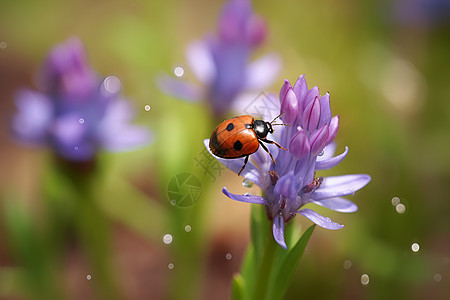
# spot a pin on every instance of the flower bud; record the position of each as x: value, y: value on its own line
x: 311, y: 115
x: 325, y: 110
x: 300, y: 89
x: 310, y: 96
x: 318, y: 139
x: 299, y: 145
x: 333, y: 129
x: 284, y: 89
x: 256, y: 30
x: 289, y: 106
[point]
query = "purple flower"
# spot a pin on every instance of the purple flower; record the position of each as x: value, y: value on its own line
x: 292, y: 183
x: 421, y: 13
x: 221, y: 62
x: 76, y: 114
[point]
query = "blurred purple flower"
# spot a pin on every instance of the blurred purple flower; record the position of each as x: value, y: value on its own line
x: 421, y: 13
x: 221, y: 62
x: 291, y: 183
x: 76, y: 114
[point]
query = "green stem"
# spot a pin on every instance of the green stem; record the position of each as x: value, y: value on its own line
x: 91, y: 228
x: 94, y: 233
x: 265, y: 268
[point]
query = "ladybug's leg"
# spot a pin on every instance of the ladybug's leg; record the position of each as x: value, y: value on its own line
x: 272, y: 142
x: 245, y: 163
x: 267, y: 150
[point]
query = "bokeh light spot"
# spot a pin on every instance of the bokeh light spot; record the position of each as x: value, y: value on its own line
x: 167, y: 239
x: 178, y: 71
x: 365, y: 279
x: 415, y: 247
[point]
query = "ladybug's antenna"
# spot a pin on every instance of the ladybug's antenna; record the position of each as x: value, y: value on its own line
x: 271, y: 123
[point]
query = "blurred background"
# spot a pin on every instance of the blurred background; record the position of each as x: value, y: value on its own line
x: 386, y: 66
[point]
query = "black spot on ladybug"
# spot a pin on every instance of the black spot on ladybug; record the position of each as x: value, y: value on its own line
x: 214, y: 143
x: 237, y: 146
x: 230, y: 127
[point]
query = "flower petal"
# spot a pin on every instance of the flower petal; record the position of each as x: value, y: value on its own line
x: 201, y: 61
x: 284, y: 89
x: 325, y: 110
x: 262, y: 72
x: 309, y: 96
x: 318, y: 140
x: 337, y: 186
x: 250, y: 171
x: 300, y: 90
x: 299, y: 146
x: 264, y: 106
x: 125, y: 138
x: 331, y: 162
x: 328, y: 152
x: 338, y: 204
x: 278, y: 230
x: 286, y: 186
x: 117, y: 111
x: 334, y: 126
x: 179, y: 89
x: 311, y: 115
x: 34, y: 116
x: 233, y: 19
x: 320, y: 220
x: 289, y: 106
x: 245, y: 198
x: 255, y: 30
x: 68, y: 132
x: 114, y: 131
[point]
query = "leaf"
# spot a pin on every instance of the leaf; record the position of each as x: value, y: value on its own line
x: 237, y: 287
x: 248, y: 269
x: 258, y: 228
x: 284, y: 270
x: 253, y: 255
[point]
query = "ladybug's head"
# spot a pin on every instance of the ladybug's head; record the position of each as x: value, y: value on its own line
x: 262, y: 128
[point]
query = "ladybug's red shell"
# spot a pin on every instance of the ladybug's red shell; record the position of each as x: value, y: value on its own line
x: 234, y: 138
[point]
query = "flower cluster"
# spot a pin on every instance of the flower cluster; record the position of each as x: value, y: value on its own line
x: 291, y: 183
x: 76, y: 114
x: 221, y: 62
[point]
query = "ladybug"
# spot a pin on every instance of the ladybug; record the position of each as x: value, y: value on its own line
x: 241, y: 137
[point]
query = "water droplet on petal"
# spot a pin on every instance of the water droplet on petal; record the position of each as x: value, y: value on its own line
x: 247, y: 183
x: 395, y: 201
x: 321, y: 152
x: 415, y: 247
x: 246, y: 194
x: 187, y: 228
x: 228, y: 256
x: 167, y: 239
x: 347, y: 264
x: 170, y: 266
x: 400, y: 208
x: 147, y: 107
x: 179, y: 71
x: 365, y: 279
